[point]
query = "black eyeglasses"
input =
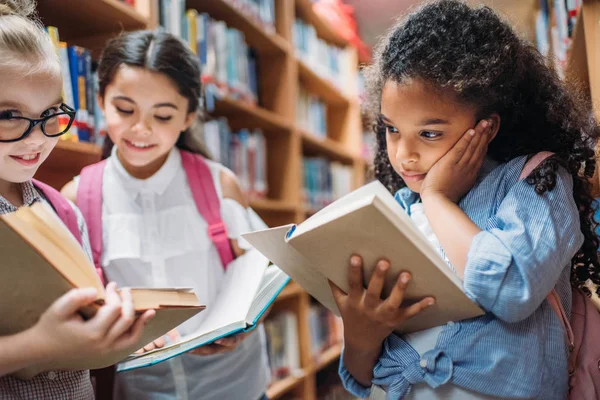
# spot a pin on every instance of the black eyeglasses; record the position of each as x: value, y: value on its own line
x: 13, y: 129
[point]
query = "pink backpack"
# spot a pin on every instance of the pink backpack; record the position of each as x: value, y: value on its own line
x: 581, y: 331
x: 89, y: 201
x: 62, y: 207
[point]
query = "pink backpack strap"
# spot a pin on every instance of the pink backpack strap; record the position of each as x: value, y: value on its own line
x: 89, y: 201
x: 533, y: 162
x: 62, y: 207
x: 556, y: 305
x: 207, y: 202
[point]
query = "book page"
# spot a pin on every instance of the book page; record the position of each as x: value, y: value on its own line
x: 375, y: 232
x: 272, y: 243
x: 239, y: 287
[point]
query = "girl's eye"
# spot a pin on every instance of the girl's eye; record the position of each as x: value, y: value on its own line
x: 390, y: 130
x: 123, y: 111
x: 163, y: 119
x: 430, y: 135
x: 7, y: 114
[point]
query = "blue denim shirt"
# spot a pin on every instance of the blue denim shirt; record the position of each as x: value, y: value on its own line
x: 517, y: 349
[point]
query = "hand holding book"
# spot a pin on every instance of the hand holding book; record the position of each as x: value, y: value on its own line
x: 368, y: 316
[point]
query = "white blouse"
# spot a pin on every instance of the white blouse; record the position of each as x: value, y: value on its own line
x: 153, y: 235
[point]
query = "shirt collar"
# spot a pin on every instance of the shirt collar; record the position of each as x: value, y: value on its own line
x: 407, y: 197
x: 157, y: 183
x: 30, y: 196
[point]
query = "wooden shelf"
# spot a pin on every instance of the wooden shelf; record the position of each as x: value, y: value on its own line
x: 281, y: 387
x: 292, y: 290
x: 305, y: 11
x: 78, y: 19
x: 320, y: 86
x: 272, y: 205
x: 328, y: 356
x: 67, y: 160
x: 252, y: 116
x: 325, y: 147
x: 254, y: 33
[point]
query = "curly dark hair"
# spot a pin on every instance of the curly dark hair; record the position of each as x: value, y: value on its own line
x: 477, y: 55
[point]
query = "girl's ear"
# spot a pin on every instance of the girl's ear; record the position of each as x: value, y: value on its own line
x: 495, y: 120
x: 190, y: 120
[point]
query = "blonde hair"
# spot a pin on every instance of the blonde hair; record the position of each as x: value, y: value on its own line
x: 25, y: 47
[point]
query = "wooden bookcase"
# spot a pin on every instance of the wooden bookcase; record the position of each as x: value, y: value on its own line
x: 91, y: 23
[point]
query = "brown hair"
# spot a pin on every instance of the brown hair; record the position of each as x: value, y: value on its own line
x: 157, y: 51
x: 24, y: 44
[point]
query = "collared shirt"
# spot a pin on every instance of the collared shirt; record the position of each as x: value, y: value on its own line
x: 518, y: 348
x: 53, y: 385
x: 154, y: 236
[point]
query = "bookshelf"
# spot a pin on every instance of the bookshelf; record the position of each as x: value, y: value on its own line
x: 281, y: 72
x: 583, y: 64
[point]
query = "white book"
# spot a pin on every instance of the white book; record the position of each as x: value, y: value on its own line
x: 249, y: 287
x: 368, y: 222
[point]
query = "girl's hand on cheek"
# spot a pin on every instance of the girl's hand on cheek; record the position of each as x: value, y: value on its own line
x: 454, y: 174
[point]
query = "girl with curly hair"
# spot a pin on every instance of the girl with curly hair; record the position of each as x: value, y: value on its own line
x: 462, y: 104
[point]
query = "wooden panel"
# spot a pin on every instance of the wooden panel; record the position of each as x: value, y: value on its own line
x: 66, y: 161
x: 313, y: 145
x: 305, y: 12
x: 77, y: 19
x: 249, y: 116
x: 281, y: 387
x: 254, y: 33
x: 320, y: 86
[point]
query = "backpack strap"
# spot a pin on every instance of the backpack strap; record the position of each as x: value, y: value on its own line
x: 552, y: 298
x: 89, y: 201
x: 204, y: 192
x: 533, y: 163
x: 62, y: 207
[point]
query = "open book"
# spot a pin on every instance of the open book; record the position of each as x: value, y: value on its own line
x: 41, y: 261
x: 249, y: 287
x: 368, y: 222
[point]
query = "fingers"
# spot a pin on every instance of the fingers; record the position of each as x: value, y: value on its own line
x: 130, y: 338
x: 338, y: 294
x: 482, y: 133
x: 373, y: 295
x: 457, y: 153
x: 394, y: 301
x: 355, y: 277
x: 209, y: 349
x: 174, y: 335
x: 108, y: 314
x: 126, y: 319
x: 230, y: 342
x: 416, y: 308
x: 159, y: 342
x: 69, y: 303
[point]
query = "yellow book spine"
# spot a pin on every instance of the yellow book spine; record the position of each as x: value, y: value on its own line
x: 192, y: 30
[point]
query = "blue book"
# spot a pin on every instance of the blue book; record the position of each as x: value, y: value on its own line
x: 249, y: 288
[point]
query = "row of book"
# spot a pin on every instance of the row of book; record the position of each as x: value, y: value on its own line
x: 244, y: 152
x: 225, y: 57
x: 325, y: 181
x: 554, y: 28
x: 80, y: 86
x: 261, y: 12
x: 328, y: 61
x: 282, y: 345
x: 311, y: 113
x: 326, y: 330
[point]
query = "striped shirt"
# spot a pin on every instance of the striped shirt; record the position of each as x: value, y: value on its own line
x: 53, y: 385
x: 517, y: 349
